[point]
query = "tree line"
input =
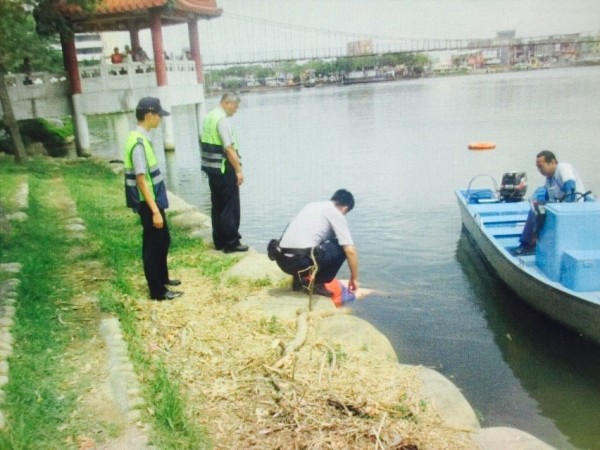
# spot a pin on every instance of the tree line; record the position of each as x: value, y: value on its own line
x: 231, y: 77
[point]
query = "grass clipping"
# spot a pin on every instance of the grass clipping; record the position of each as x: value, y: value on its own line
x: 251, y: 393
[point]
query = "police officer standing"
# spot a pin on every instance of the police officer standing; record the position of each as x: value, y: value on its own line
x: 221, y: 162
x: 146, y: 193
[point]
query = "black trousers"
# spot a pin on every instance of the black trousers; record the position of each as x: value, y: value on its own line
x: 155, y: 247
x: 329, y: 256
x: 225, y: 208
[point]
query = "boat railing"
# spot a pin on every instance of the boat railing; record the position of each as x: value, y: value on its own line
x: 475, y: 195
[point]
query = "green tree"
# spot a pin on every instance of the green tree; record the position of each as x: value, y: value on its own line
x: 19, y: 39
x: 28, y: 29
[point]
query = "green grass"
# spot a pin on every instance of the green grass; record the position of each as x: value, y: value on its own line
x: 116, y: 231
x: 37, y: 402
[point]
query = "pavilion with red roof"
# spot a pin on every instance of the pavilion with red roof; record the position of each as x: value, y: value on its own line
x: 176, y: 83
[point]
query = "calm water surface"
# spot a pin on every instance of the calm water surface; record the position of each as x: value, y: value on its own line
x: 401, y: 148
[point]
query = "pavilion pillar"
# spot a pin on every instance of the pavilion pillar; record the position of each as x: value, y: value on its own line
x: 82, y: 133
x: 160, y: 68
x: 158, y: 49
x: 195, y: 48
x: 194, y: 39
x: 134, y: 38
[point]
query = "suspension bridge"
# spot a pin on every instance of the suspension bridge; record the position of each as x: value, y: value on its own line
x: 237, y: 40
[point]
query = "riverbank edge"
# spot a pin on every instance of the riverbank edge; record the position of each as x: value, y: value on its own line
x: 453, y: 408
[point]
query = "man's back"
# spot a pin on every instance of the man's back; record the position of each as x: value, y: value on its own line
x: 317, y: 222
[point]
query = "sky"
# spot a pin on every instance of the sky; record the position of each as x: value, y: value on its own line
x: 253, y: 24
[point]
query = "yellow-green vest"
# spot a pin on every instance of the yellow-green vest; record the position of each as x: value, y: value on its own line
x: 154, y: 178
x: 213, y: 158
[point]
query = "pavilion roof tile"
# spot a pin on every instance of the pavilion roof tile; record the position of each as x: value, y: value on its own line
x: 203, y: 7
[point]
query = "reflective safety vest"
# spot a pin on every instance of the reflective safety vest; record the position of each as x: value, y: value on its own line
x: 154, y: 178
x: 214, y: 160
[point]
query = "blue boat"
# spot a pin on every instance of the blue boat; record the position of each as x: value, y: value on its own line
x: 561, y: 278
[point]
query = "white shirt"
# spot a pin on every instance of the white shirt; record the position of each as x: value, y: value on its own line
x: 225, y: 131
x: 555, y: 184
x: 316, y: 223
x: 138, y: 154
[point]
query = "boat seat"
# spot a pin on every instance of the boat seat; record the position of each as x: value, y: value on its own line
x: 580, y: 270
x: 508, y: 231
x: 504, y: 219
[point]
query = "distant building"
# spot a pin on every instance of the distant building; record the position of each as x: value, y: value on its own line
x: 95, y: 46
x: 358, y: 48
x: 504, y: 54
x: 89, y: 46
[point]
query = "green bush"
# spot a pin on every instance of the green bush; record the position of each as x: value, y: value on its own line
x: 53, y: 134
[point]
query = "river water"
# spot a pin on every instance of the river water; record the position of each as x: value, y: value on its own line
x: 401, y: 149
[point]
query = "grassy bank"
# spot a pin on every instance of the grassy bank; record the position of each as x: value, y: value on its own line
x: 211, y: 366
x: 51, y: 329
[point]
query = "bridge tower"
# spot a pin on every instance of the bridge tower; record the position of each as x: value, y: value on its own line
x: 101, y: 93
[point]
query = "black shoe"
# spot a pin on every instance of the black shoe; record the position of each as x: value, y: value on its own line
x: 168, y: 295
x: 319, y: 289
x: 299, y: 283
x: 173, y: 283
x: 236, y: 248
x: 523, y: 250
x: 296, y: 285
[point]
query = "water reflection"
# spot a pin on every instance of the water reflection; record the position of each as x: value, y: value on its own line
x: 556, y: 367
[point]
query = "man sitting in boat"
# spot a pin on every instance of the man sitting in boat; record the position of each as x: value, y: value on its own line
x: 562, y: 185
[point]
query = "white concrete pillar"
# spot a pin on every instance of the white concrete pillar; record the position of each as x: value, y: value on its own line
x: 82, y: 131
x: 122, y: 127
x: 200, y: 113
x: 167, y: 122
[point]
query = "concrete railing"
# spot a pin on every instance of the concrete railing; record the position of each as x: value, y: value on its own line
x: 44, y: 94
x: 134, y: 75
x: 39, y: 94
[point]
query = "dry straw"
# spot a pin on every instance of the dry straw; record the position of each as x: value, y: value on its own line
x: 256, y: 384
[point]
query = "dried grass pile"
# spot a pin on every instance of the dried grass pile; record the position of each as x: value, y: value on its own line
x: 249, y: 396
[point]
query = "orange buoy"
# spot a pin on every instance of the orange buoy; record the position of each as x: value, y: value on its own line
x: 482, y: 145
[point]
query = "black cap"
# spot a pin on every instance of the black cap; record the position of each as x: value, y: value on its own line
x: 152, y: 104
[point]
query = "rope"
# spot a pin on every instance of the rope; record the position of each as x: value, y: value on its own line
x: 312, y: 271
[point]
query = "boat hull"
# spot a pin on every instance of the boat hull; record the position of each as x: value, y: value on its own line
x: 579, y: 311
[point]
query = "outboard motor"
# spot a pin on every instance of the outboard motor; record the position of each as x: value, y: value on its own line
x: 513, y: 187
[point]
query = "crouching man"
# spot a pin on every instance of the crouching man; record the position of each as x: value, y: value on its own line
x: 320, y: 230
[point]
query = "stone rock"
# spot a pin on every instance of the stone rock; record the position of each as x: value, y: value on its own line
x: 448, y: 401
x: 75, y: 227
x: 283, y: 303
x: 78, y: 220
x: 191, y: 219
x: 501, y: 438
x: 255, y: 266
x: 11, y: 267
x: 203, y: 234
x: 179, y: 205
x: 357, y: 334
x: 18, y: 216
x: 22, y: 197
